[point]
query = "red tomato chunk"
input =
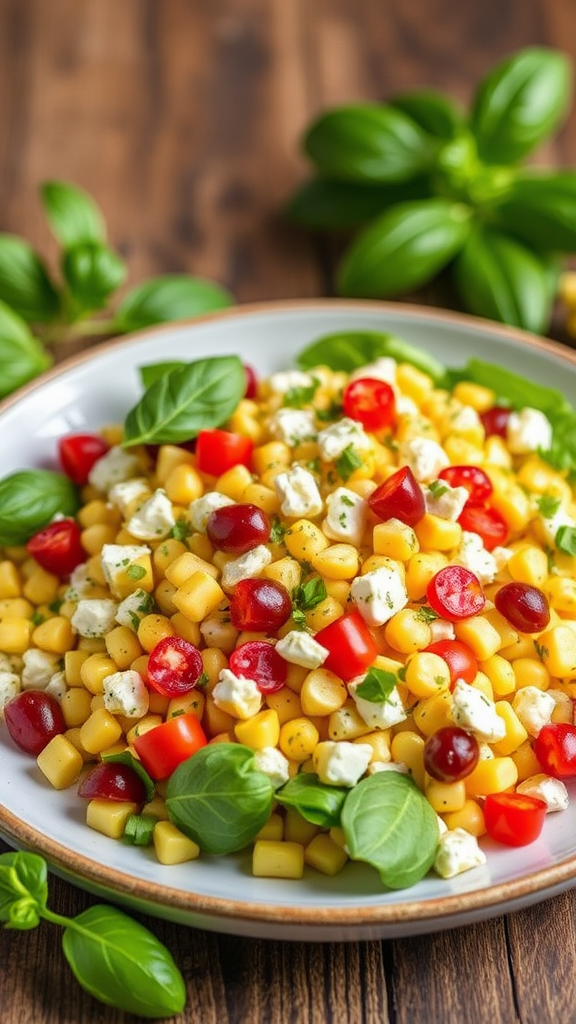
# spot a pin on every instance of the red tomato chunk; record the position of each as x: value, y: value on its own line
x: 514, y: 819
x: 33, y: 718
x: 351, y: 645
x: 78, y: 453
x: 174, y: 666
x: 371, y: 402
x: 163, y: 748
x: 58, y: 547
x: 217, y: 451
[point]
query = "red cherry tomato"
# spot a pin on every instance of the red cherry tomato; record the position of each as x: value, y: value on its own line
x: 458, y: 657
x: 450, y: 754
x: 524, y: 606
x: 555, y: 748
x: 474, y: 479
x: 352, y: 648
x: 260, y: 605
x: 217, y: 451
x: 261, y: 662
x: 399, y: 497
x: 174, y: 667
x: 514, y: 819
x: 112, y: 781
x: 251, y: 382
x: 455, y: 593
x: 487, y: 522
x: 371, y: 402
x: 237, y: 528
x: 163, y: 748
x: 58, y: 547
x: 78, y: 453
x: 495, y: 420
x: 33, y: 718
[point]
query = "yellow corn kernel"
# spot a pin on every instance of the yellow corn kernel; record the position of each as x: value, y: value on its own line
x: 406, y: 632
x: 263, y: 497
x: 165, y: 554
x: 141, y: 726
x: 479, y: 397
x: 168, y: 458
x: 94, y: 670
x: 395, y: 539
x: 192, y: 703
x: 432, y: 714
x: 515, y: 732
x: 530, y: 672
x: 510, y: 500
x: 60, y: 762
x: 93, y: 644
x: 322, y: 692
x: 526, y: 762
x: 529, y: 565
x: 163, y: 593
x: 99, y: 731
x: 15, y: 634
x: 198, y: 596
x: 123, y: 646
x: 426, y: 674
x: 273, y: 455
x: 244, y: 420
x: 73, y: 661
x: 480, y: 636
x: 55, y: 635
x: 97, y: 513
x: 297, y: 829
x: 75, y: 704
x: 73, y: 735
x: 286, y: 571
x: 346, y: 723
x: 183, y: 484
x: 153, y: 628
x: 371, y: 562
x: 561, y: 593
x: 557, y: 649
x: 339, y: 590
x: 323, y: 614
x: 218, y: 631
x: 273, y: 829
x: 181, y: 568
x: 325, y: 855
x: 272, y: 859
x: 234, y: 482
x: 481, y: 682
x: 97, y: 701
x: 171, y: 845
x: 496, y: 453
x: 110, y: 816
x: 463, y: 452
x: 10, y: 582
x: 500, y: 673
x: 41, y: 587
x: 438, y: 534
x: 298, y: 737
x: 420, y: 570
x: 445, y: 796
x: 93, y: 538
x: 413, y: 382
x: 213, y: 661
x: 16, y: 608
x: 263, y: 730
x: 470, y: 817
x: 218, y: 724
x: 158, y: 704
x: 304, y: 540
x: 492, y: 775
x: 189, y: 631
x: 337, y: 562
x: 539, y: 477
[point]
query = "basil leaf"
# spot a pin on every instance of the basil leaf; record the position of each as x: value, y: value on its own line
x: 389, y: 824
x: 540, y: 209
x: 24, y: 281
x: 72, y: 214
x: 501, y: 279
x: 404, y: 248
x: 315, y: 801
x: 23, y: 889
x: 519, y: 103
x: 376, y: 686
x: 565, y: 539
x: 219, y: 797
x: 370, y: 143
x: 22, y: 357
x: 349, y: 350
x: 151, y: 373
x: 172, y: 297
x: 92, y: 271
x: 125, y: 757
x: 122, y: 964
x: 178, y: 405
x: 308, y: 595
x: 29, y: 499
x: 432, y: 111
x: 324, y: 203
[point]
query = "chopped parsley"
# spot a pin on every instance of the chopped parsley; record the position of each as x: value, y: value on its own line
x: 136, y: 572
x: 181, y: 529
x: 376, y: 686
x: 347, y: 462
x: 298, y: 397
x: 277, y: 531
x: 426, y: 614
x: 307, y: 596
x: 548, y: 505
x: 565, y: 539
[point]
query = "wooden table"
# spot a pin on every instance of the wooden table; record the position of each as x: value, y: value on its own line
x: 183, y: 119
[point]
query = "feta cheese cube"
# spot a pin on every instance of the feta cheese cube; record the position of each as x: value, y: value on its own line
x: 472, y: 554
x: 199, y: 510
x: 379, y: 594
x: 340, y: 763
x: 333, y: 440
x: 79, y: 583
x: 458, y: 851
x: 236, y: 695
x: 57, y: 686
x: 346, y: 518
x: 426, y: 458
x: 9, y: 686
x: 534, y: 708
x: 114, y: 467
x: 154, y: 519
x: 133, y: 608
x: 301, y: 648
x: 298, y: 493
x: 292, y: 426
x: 528, y: 431
x: 381, y: 714
x: 472, y: 710
x: 464, y: 419
x: 94, y: 617
x: 443, y: 500
x: 551, y: 524
x: 39, y: 667
x: 250, y: 564
x: 272, y: 762
x: 125, y: 693
x: 384, y: 368
x: 290, y: 380
x: 124, y: 493
x: 552, y: 791
x: 441, y: 629
x: 115, y: 559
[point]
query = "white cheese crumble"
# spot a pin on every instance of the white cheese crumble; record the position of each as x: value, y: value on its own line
x: 236, y: 695
x: 133, y: 608
x: 300, y: 648
x: 472, y: 554
x: 552, y: 791
x: 154, y: 519
x: 293, y: 426
x: 114, y: 467
x: 443, y: 500
x: 290, y: 380
x: 378, y: 595
x: 199, y: 510
x: 346, y: 516
x: 383, y: 368
x: 94, y: 617
x: 39, y: 667
x: 123, y: 494
x: 251, y: 563
x: 341, y: 763
x: 298, y: 493
x: 458, y: 851
x: 57, y: 686
x: 115, y: 559
x: 125, y: 693
x: 527, y: 431
x: 272, y: 762
x: 426, y: 458
x: 472, y: 710
x: 381, y: 714
x: 534, y: 708
x: 333, y: 440
x: 9, y: 686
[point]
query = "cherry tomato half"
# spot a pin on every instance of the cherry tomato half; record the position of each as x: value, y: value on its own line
x: 58, y: 547
x: 524, y: 606
x: 260, y: 605
x: 174, y: 667
x: 555, y: 748
x: 163, y: 748
x: 487, y: 522
x: 112, y: 781
x: 369, y: 401
x: 217, y: 451
x: 451, y: 753
x: 458, y: 657
x: 514, y: 819
x: 352, y: 648
x: 474, y: 479
x: 261, y: 662
x: 236, y: 529
x: 78, y: 453
x: 495, y: 420
x: 399, y: 497
x: 455, y: 593
x: 33, y: 718
x: 251, y: 382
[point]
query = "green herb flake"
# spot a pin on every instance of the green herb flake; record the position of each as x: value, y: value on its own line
x: 347, y: 462
x: 308, y: 595
x: 136, y: 572
x: 298, y: 397
x: 277, y: 531
x: 548, y: 505
x: 376, y: 686
x: 426, y: 614
x: 437, y: 488
x: 181, y: 529
x: 565, y: 539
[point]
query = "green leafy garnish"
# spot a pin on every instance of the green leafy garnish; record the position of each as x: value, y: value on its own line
x: 548, y: 505
x: 29, y: 500
x: 376, y: 686
x: 307, y: 596
x: 347, y: 462
x: 314, y: 800
x: 565, y: 539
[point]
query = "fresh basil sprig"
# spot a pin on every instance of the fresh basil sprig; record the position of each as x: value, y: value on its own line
x: 349, y: 350
x: 116, y: 959
x: 29, y: 499
x: 452, y: 192
x: 39, y: 309
x: 186, y: 399
x: 314, y: 800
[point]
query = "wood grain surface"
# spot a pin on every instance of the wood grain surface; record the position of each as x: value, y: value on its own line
x: 183, y: 118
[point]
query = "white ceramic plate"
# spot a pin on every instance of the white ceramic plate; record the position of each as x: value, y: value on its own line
x: 221, y: 894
